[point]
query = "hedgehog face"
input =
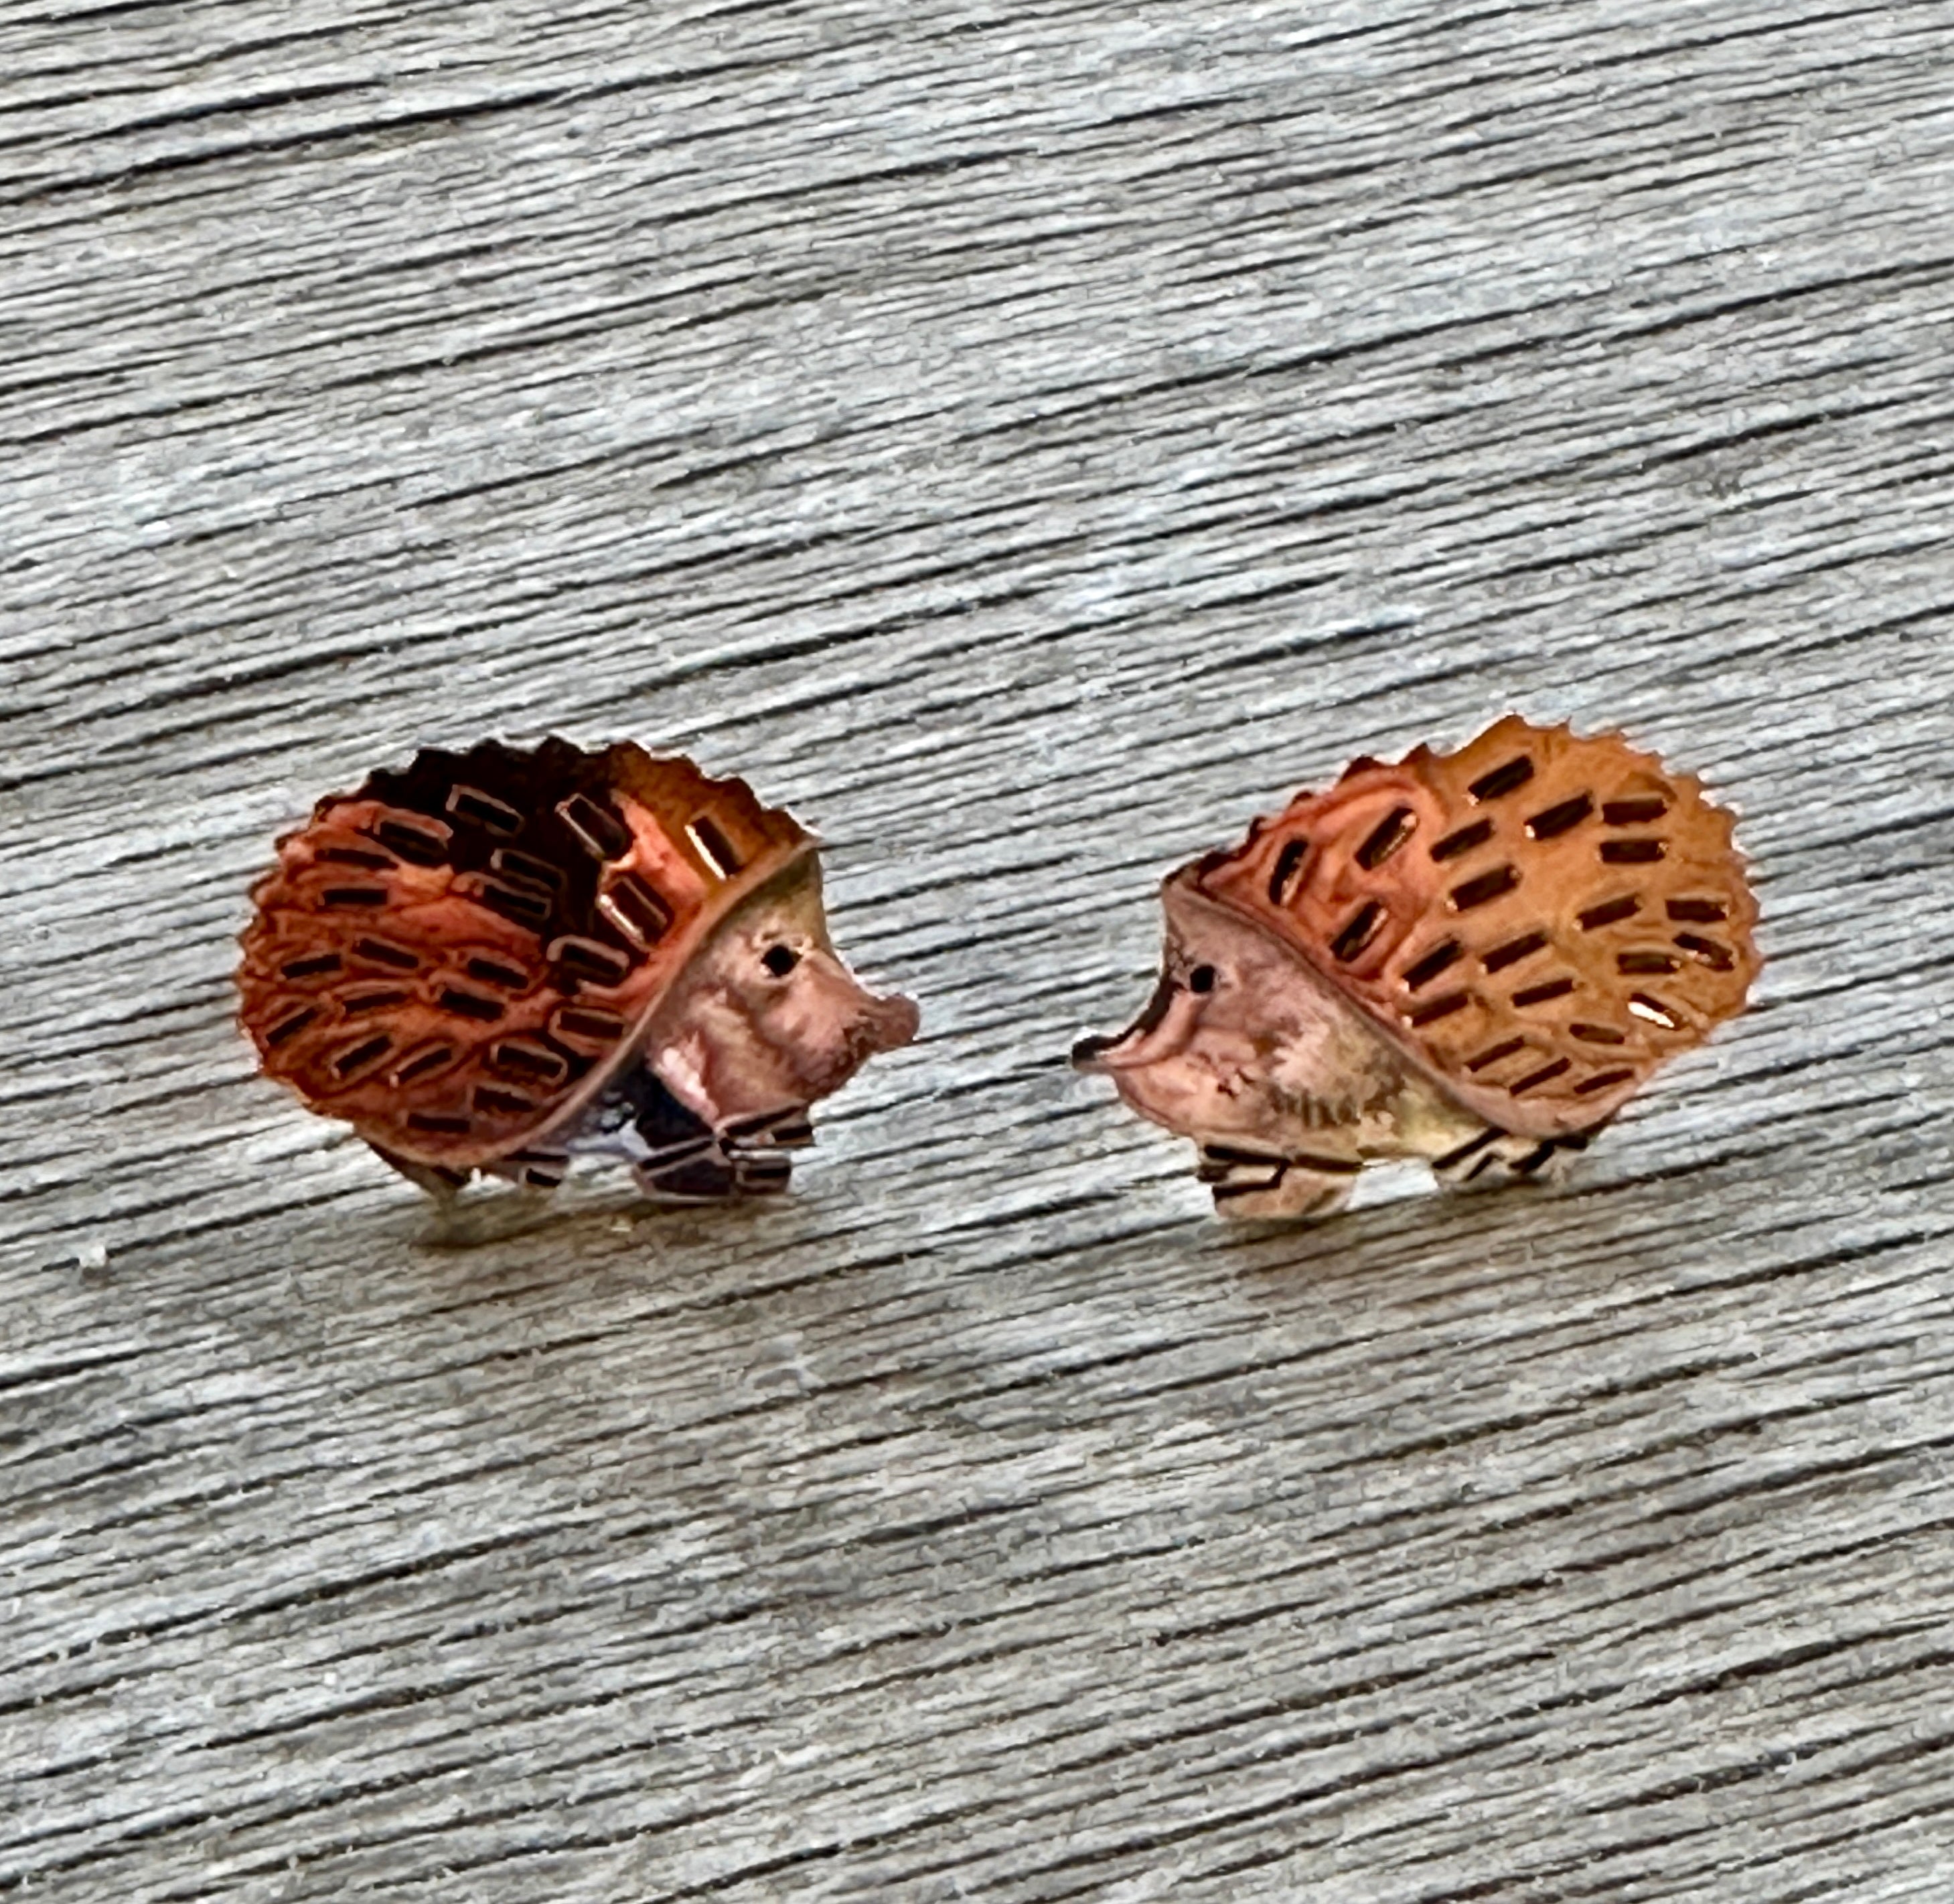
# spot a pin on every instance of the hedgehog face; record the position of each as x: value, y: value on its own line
x: 766, y: 1016
x: 1239, y: 1043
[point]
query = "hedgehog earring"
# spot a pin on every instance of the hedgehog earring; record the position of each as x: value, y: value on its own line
x: 1473, y: 958
x: 502, y: 960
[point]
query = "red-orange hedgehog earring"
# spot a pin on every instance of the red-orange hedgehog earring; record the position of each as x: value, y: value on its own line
x: 501, y: 960
x: 1473, y: 958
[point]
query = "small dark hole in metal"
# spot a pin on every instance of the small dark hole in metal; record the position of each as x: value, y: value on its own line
x: 1609, y: 911
x: 352, y: 1004
x: 1288, y: 862
x: 291, y: 1027
x: 1653, y: 1010
x: 349, y: 1061
x: 384, y: 952
x: 488, y: 1097
x: 1634, y: 813
x: 310, y: 967
x: 417, y: 843
x: 1463, y: 841
x: 1432, y: 964
x: 1502, y: 780
x: 1492, y: 1054
x: 525, y: 867
x: 1600, y: 1081
x: 1646, y: 961
x: 1599, y: 1034
x: 522, y: 1059
x: 1513, y: 951
x: 577, y: 1021
x: 521, y: 905
x: 1487, y: 885
x: 432, y: 1121
x: 1357, y: 934
x: 471, y: 803
x: 1698, y: 912
x: 1558, y: 820
x: 599, y: 830
x: 585, y: 959
x: 1719, y: 958
x: 354, y: 895
x: 1390, y: 833
x: 635, y: 910
x: 714, y: 848
x: 1543, y: 1075
x: 419, y: 1063
x: 1442, y: 1007
x: 1631, y: 852
x: 1552, y: 988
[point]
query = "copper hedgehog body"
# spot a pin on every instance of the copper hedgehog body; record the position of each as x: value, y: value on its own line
x: 1474, y: 958
x: 498, y: 960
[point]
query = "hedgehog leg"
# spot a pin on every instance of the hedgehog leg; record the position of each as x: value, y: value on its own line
x: 1496, y: 1158
x: 1255, y: 1184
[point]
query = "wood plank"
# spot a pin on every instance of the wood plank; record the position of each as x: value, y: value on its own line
x: 1027, y: 442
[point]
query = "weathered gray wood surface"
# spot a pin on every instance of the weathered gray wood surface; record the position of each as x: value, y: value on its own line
x: 1029, y: 441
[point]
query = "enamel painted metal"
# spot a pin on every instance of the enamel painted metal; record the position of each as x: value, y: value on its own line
x: 1474, y: 958
x: 499, y: 960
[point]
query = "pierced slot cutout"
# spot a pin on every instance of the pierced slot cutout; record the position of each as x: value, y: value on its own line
x: 361, y: 1056
x: 535, y: 1179
x: 637, y: 911
x: 290, y: 1027
x: 365, y: 860
x: 1440, y: 1007
x: 433, y: 1120
x: 586, y: 958
x: 1487, y: 886
x: 316, y: 965
x: 1546, y: 1075
x: 1362, y: 929
x: 1698, y: 912
x: 498, y: 1102
x: 1513, y: 951
x: 384, y: 952
x: 471, y: 803
x: 592, y: 1027
x: 529, y: 1059
x: 1463, y: 841
x: 1601, y: 1080
x: 1502, y: 780
x: 1563, y: 818
x: 344, y: 898
x: 1610, y: 912
x: 713, y: 846
x: 1634, y: 813
x: 352, y: 1004
x: 1389, y: 834
x: 422, y: 1059
x: 599, y: 830
x: 1654, y: 1011
x: 1288, y: 863
x: 1494, y: 1053
x: 1599, y: 1034
x: 1629, y: 963
x: 1719, y: 958
x: 1633, y: 852
x: 1540, y: 994
x: 1436, y: 960
x: 421, y: 841
x: 469, y: 1004
x: 525, y: 868
x: 492, y: 971
x: 521, y: 905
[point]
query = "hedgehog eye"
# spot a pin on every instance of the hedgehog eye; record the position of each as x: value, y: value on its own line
x: 1201, y: 979
x: 780, y: 960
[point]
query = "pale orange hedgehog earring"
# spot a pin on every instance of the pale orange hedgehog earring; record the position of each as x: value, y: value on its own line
x: 1473, y: 958
x: 502, y: 960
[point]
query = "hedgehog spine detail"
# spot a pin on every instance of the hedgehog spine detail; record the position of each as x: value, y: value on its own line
x: 1472, y: 958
